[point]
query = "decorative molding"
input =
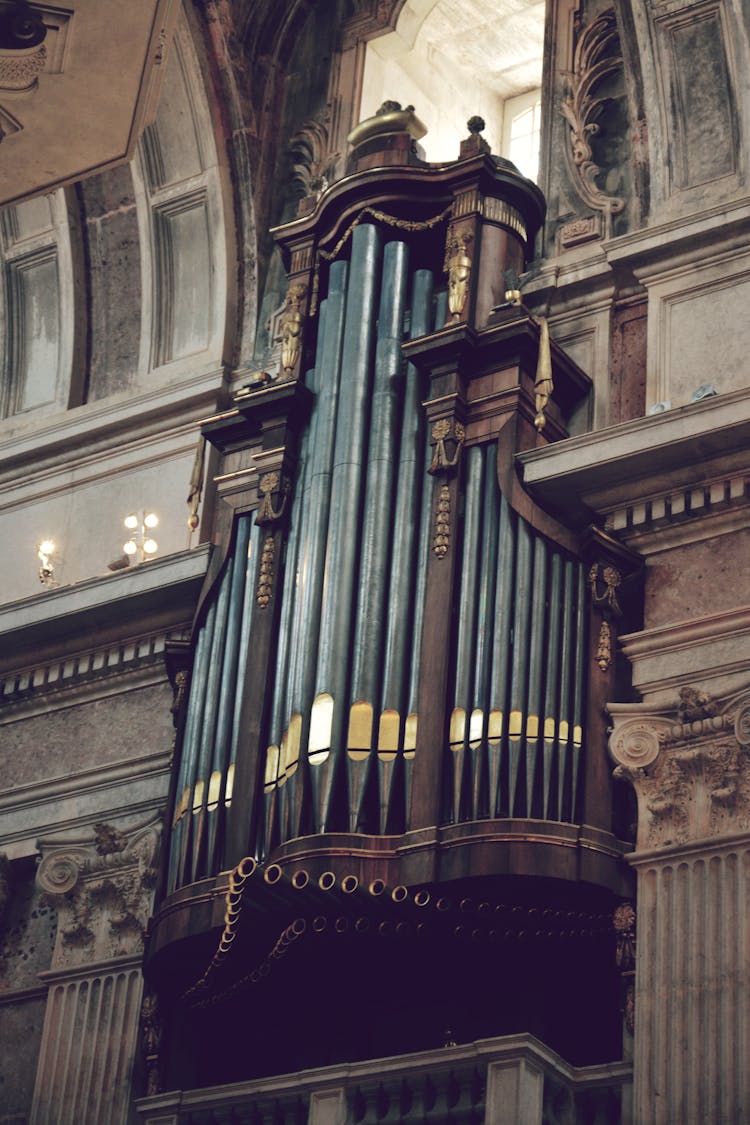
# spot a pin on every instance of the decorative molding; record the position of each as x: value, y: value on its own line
x: 604, y: 582
x: 78, y: 669
x: 593, y: 60
x: 578, y: 231
x: 690, y: 772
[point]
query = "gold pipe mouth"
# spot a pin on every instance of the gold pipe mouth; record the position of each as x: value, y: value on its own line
x: 341, y: 925
x: 362, y: 925
x: 403, y: 929
x: 377, y: 887
x: 319, y: 924
x: 385, y: 929
x: 300, y: 879
x: 443, y: 904
x: 349, y: 884
x: 466, y: 905
x: 327, y: 881
x: 400, y: 893
x: 422, y: 898
x: 298, y: 927
x: 273, y: 874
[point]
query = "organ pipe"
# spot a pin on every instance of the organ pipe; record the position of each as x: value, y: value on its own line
x: 343, y: 539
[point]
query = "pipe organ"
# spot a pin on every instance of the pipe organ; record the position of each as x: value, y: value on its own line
x: 393, y: 675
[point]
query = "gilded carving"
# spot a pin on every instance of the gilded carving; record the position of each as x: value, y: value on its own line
x: 291, y: 325
x: 595, y: 58
x: 442, y: 535
x: 272, y: 485
x: 447, y: 437
x: 623, y: 921
x: 458, y: 266
x: 604, y: 646
x: 604, y: 582
x: 265, y: 576
x: 543, y: 384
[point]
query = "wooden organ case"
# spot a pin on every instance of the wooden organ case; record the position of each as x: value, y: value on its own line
x: 392, y: 809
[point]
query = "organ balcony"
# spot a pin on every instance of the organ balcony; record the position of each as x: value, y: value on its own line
x: 390, y: 775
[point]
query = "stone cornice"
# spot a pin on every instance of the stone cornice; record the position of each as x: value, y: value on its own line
x: 637, y: 461
x: 114, y: 607
x: 714, y: 648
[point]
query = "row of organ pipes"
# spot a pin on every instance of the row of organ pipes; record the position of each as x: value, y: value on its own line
x: 342, y: 721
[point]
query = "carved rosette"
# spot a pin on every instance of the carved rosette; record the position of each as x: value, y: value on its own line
x: 690, y: 772
x: 102, y: 888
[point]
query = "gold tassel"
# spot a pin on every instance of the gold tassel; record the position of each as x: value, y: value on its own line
x: 196, y: 484
x: 543, y: 385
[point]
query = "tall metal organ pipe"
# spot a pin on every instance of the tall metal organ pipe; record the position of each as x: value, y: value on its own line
x: 328, y: 721
x: 375, y: 543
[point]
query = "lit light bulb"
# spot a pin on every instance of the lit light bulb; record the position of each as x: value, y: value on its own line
x: 150, y: 546
x: 131, y: 522
x: 46, y: 547
x: 150, y: 519
x: 129, y: 548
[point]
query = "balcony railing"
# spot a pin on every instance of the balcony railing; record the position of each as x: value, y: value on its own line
x: 491, y: 1082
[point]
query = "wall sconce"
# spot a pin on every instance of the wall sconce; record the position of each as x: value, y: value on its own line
x: 140, y: 542
x: 45, y: 551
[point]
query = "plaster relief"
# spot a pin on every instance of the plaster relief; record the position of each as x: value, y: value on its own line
x: 691, y: 773
x: 102, y: 888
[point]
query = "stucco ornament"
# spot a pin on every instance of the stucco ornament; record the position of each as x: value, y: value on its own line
x: 690, y: 770
x: 102, y: 888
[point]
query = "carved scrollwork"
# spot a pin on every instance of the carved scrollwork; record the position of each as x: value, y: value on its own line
x: 635, y: 744
x: 742, y: 725
x: 596, y: 56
